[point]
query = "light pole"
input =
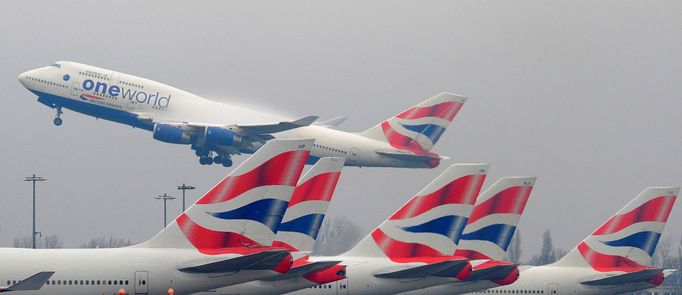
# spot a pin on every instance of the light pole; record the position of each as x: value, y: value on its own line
x: 33, y: 179
x: 183, y: 188
x: 165, y: 198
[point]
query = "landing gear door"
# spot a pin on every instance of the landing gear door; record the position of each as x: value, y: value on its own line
x: 552, y: 289
x: 141, y: 282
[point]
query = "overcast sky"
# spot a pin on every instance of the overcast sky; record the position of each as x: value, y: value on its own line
x: 586, y: 95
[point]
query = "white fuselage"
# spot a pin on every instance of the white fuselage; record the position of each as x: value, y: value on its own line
x: 360, y: 279
x: 137, y: 101
x: 105, y: 271
x: 556, y: 280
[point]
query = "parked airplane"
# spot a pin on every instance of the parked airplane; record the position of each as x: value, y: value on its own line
x: 297, y: 232
x: 223, y: 239
x: 487, y: 236
x: 413, y: 248
x: 214, y: 130
x: 615, y: 259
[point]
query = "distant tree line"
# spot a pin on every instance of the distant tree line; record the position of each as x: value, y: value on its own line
x: 55, y: 242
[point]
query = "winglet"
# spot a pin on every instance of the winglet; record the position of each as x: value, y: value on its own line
x: 35, y: 282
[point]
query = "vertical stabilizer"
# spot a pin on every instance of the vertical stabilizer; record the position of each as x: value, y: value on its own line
x: 627, y: 240
x: 431, y: 223
x: 308, y: 206
x: 493, y: 221
x: 418, y: 128
x: 246, y: 207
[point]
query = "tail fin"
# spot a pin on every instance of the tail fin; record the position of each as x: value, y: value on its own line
x: 494, y: 219
x: 431, y: 223
x: 308, y: 206
x: 626, y: 242
x: 245, y: 208
x: 418, y: 128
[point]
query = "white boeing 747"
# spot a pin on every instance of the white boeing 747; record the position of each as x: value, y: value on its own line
x: 214, y: 130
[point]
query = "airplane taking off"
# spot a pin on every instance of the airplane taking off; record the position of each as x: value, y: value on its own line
x: 215, y: 130
x: 414, y: 248
x: 614, y: 259
x: 223, y: 239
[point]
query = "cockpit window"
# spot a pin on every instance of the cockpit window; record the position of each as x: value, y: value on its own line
x: 56, y: 65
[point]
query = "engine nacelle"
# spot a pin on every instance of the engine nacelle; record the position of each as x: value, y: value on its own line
x: 222, y: 136
x: 170, y: 134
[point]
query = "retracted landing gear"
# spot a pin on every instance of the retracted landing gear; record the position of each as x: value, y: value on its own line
x: 57, y: 120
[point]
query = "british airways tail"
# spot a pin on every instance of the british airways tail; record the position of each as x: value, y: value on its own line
x: 308, y: 206
x: 245, y: 208
x: 431, y: 223
x: 418, y: 128
x: 493, y: 221
x: 627, y: 240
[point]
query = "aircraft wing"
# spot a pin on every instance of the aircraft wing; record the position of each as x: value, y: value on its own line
x: 302, y: 270
x: 264, y: 260
x: 434, y: 269
x: 630, y: 277
x: 241, y: 129
x: 33, y: 283
x: 668, y: 271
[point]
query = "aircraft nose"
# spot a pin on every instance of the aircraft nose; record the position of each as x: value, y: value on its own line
x: 23, y: 78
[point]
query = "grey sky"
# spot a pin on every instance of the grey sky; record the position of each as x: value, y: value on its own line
x: 583, y: 94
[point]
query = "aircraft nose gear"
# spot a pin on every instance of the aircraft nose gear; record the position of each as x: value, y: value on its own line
x: 58, y: 121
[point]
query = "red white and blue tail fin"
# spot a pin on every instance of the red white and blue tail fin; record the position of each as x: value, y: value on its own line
x: 493, y: 221
x: 245, y: 208
x: 626, y: 242
x: 431, y: 223
x: 418, y: 128
x: 308, y: 206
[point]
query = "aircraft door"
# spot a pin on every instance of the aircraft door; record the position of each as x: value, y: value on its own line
x: 75, y: 88
x: 141, y: 282
x: 354, y: 156
x: 342, y: 287
x: 552, y: 289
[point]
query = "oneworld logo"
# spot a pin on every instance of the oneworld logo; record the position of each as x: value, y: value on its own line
x: 138, y: 96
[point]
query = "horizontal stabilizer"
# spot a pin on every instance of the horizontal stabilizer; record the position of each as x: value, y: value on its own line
x: 630, y: 277
x: 333, y: 122
x: 277, y: 127
x: 264, y: 260
x: 491, y: 273
x: 300, y: 271
x: 33, y: 283
x: 407, y: 155
x: 424, y: 270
